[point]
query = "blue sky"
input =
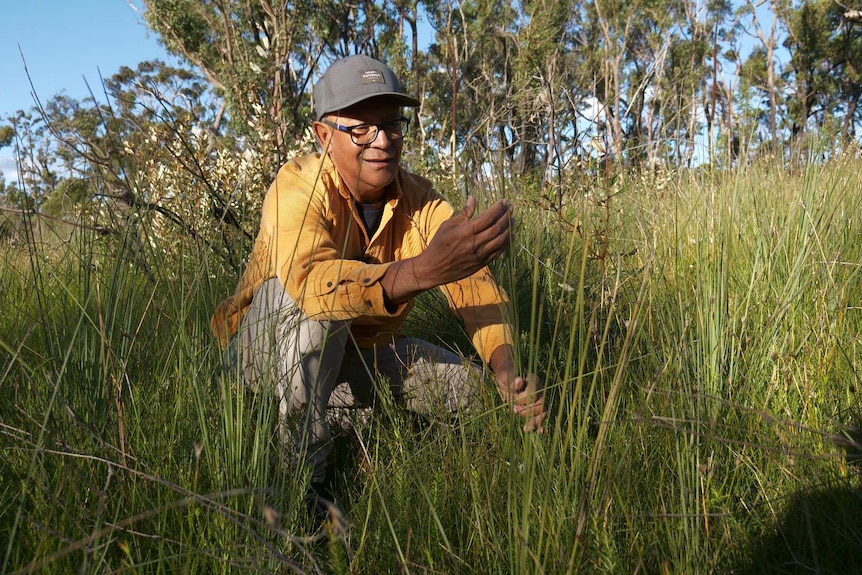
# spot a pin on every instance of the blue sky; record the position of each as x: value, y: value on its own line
x: 66, y: 44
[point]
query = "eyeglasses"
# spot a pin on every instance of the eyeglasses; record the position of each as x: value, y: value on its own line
x: 365, y: 134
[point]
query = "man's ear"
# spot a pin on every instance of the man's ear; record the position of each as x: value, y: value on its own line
x: 323, y: 133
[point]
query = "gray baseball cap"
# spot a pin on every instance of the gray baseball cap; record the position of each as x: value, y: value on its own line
x: 353, y: 79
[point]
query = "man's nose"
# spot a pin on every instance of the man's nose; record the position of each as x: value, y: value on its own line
x: 381, y: 140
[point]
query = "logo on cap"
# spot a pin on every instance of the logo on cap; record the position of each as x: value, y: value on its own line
x: 373, y: 77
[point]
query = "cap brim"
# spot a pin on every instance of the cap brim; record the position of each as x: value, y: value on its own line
x: 401, y: 98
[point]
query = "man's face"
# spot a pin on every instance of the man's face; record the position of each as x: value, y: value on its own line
x: 365, y: 170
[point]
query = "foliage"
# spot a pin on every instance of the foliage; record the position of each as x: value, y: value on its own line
x: 694, y: 313
x: 698, y: 332
x: 824, y: 55
x: 153, y: 160
x: 535, y: 91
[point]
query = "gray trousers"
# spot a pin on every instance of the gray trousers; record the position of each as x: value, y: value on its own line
x: 314, y: 365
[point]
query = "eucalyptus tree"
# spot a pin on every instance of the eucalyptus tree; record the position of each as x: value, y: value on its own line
x: 761, y: 78
x: 847, y: 43
x: 637, y: 39
x: 722, y: 61
x: 504, y: 87
x: 845, y: 67
x: 467, y: 99
x: 539, y: 80
x: 807, y: 42
x: 259, y: 56
x: 759, y: 108
x: 608, y: 33
x: 39, y: 169
x: 823, y: 70
x: 654, y: 71
x: 693, y: 77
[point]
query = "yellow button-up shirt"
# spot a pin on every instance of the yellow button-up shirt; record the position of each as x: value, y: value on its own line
x: 312, y: 239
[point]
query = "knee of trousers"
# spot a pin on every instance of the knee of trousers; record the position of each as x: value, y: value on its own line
x: 313, y: 355
x: 308, y: 336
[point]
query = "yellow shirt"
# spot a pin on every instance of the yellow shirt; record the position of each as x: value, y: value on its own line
x: 312, y: 239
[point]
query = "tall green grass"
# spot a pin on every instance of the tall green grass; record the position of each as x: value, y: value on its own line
x: 699, y: 335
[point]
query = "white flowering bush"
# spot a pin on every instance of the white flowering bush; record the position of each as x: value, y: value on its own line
x: 161, y: 169
x: 190, y: 195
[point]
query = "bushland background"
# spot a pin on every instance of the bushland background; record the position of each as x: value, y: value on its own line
x: 686, y: 277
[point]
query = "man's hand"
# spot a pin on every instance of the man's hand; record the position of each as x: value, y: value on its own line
x: 524, y: 393
x: 463, y: 245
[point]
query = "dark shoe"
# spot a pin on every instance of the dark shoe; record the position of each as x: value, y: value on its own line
x: 322, y: 508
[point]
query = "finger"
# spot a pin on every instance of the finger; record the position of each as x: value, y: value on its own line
x: 529, y: 410
x: 535, y: 424
x: 532, y: 426
x: 525, y: 399
x: 490, y: 216
x: 527, y: 396
x: 536, y: 417
x: 511, y: 389
x: 494, y: 227
x: 493, y: 241
x: 487, y: 228
x: 470, y: 207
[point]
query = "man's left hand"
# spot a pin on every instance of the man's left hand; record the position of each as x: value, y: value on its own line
x: 525, y: 395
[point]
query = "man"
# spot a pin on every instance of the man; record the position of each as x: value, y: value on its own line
x: 347, y: 240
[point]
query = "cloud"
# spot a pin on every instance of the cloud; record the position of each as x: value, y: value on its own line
x: 8, y: 167
x: 591, y: 109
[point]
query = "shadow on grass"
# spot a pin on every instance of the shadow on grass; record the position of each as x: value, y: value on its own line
x: 820, y: 530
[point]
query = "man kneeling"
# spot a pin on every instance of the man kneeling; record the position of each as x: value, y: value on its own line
x: 347, y: 240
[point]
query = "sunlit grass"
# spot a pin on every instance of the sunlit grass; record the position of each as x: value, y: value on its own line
x: 698, y: 333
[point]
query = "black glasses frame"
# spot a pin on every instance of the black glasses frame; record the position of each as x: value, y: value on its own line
x: 395, y: 130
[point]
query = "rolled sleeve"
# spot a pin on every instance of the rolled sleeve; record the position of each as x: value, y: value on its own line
x: 345, y: 290
x: 485, y: 310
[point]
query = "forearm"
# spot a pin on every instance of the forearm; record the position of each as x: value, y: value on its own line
x: 502, y: 361
x: 404, y: 280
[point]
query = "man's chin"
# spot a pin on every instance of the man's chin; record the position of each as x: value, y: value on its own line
x: 371, y: 192
x: 378, y: 181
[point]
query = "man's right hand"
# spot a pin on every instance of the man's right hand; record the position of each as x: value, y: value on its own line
x: 463, y: 244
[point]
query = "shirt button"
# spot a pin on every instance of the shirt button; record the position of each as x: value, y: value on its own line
x: 366, y: 280
x: 328, y: 284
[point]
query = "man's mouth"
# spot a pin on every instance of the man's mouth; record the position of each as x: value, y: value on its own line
x: 378, y: 161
